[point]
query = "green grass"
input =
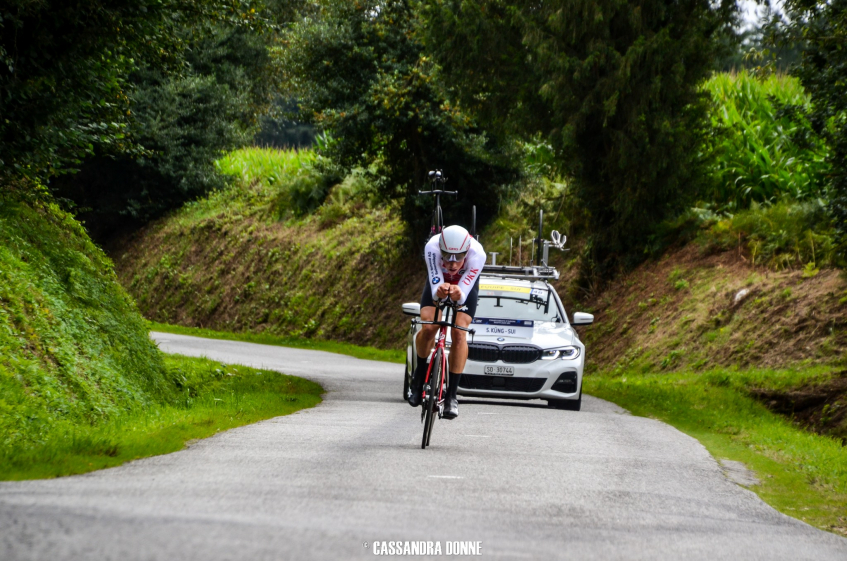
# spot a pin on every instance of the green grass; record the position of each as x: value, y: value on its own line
x: 210, y: 397
x: 267, y: 165
x: 367, y: 353
x: 296, y: 181
x: 785, y: 235
x: 803, y: 475
x: 73, y: 347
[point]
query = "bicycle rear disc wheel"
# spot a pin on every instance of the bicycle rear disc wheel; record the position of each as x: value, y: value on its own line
x: 431, y: 398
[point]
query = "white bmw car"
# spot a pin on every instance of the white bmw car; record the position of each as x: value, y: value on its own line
x: 524, y: 346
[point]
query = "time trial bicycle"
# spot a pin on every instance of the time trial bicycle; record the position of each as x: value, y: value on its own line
x: 437, y: 373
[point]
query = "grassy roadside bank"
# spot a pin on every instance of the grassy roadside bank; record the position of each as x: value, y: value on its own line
x: 210, y: 397
x: 803, y: 475
x: 356, y: 351
x: 261, y: 257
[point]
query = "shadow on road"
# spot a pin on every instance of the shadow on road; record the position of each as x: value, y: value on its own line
x: 503, y: 403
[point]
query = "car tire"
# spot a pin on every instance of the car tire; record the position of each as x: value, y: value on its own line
x: 566, y: 404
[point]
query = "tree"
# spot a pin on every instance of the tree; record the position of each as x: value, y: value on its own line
x: 359, y: 73
x: 612, y: 84
x: 183, y: 121
x: 821, y: 27
x: 64, y: 71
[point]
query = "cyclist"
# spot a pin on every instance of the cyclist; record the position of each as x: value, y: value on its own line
x: 454, y: 261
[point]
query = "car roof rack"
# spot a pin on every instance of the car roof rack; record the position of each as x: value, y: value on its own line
x: 538, y: 272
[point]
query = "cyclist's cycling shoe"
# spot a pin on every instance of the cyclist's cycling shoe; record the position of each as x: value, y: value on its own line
x: 451, y: 408
x: 451, y: 404
x: 416, y: 386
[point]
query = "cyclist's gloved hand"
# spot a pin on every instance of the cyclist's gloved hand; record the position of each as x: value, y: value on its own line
x: 443, y: 290
x: 455, y: 293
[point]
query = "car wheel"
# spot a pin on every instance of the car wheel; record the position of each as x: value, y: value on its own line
x: 566, y: 404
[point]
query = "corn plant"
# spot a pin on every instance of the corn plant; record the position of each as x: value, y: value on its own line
x: 762, y: 156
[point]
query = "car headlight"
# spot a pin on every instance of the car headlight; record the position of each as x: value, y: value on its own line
x: 564, y: 353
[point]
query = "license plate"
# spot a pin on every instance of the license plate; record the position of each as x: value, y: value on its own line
x: 500, y: 370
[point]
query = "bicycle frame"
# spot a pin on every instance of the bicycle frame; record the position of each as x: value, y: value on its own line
x: 441, y: 343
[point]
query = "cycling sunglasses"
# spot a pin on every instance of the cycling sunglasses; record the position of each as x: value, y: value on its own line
x: 453, y: 256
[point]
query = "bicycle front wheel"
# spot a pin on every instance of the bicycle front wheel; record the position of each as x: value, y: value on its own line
x: 432, y: 398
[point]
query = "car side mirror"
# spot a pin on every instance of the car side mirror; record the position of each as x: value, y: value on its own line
x: 581, y: 318
x: 412, y: 309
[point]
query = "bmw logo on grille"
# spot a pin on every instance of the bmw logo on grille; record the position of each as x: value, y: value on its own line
x: 501, y: 338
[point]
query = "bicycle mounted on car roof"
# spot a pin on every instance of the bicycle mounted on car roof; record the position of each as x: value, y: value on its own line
x: 437, y: 177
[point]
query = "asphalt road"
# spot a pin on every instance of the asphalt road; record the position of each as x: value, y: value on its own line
x: 525, y: 481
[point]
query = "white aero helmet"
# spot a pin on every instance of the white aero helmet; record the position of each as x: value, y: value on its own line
x: 454, y: 243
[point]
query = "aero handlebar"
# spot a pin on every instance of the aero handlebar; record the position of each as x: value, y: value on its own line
x: 438, y: 192
x: 451, y: 324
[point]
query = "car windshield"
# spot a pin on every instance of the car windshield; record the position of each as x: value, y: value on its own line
x: 516, y: 302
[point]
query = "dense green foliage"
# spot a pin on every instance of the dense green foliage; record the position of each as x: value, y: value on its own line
x: 612, y: 85
x: 206, y: 397
x: 821, y: 26
x: 63, y: 74
x: 360, y: 74
x: 769, y: 195
x: 73, y: 347
x: 64, y: 78
x: 184, y: 121
x: 760, y: 155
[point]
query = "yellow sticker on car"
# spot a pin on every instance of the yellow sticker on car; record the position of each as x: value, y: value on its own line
x: 504, y: 288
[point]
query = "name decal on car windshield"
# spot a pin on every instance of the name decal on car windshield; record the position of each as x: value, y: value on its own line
x: 500, y: 321
x: 499, y: 326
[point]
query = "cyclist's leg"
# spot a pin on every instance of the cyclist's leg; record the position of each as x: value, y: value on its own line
x: 424, y: 341
x: 459, y: 344
x: 459, y: 341
x: 459, y: 352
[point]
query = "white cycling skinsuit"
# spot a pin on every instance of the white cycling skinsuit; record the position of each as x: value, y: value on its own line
x: 464, y: 278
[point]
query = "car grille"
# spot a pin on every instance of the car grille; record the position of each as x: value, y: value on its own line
x: 501, y: 383
x: 519, y: 354
x: 483, y: 352
x: 514, y: 354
